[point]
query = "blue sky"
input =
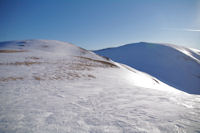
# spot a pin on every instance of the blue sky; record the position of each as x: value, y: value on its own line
x: 94, y: 24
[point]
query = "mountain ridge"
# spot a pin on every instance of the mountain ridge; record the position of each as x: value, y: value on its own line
x: 49, y: 87
x: 158, y: 59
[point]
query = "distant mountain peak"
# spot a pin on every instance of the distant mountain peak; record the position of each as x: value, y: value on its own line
x: 177, y: 66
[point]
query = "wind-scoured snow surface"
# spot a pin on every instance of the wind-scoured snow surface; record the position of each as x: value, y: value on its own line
x: 56, y: 87
x: 174, y: 65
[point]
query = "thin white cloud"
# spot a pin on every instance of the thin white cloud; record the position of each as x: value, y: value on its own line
x: 192, y: 30
x: 183, y: 29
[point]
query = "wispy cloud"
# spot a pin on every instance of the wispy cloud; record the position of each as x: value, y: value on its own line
x: 183, y: 29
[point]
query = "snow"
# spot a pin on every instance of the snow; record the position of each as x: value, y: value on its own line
x: 57, y: 87
x: 176, y: 66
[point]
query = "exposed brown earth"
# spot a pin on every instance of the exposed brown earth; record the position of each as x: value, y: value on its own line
x: 27, y: 63
x: 32, y: 57
x: 11, y: 79
x: 104, y: 63
x: 12, y: 51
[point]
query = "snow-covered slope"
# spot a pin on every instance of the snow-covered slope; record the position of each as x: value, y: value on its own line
x: 175, y: 65
x: 56, y: 87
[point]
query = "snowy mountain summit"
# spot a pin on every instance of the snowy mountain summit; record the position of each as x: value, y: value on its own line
x: 174, y: 65
x: 49, y: 86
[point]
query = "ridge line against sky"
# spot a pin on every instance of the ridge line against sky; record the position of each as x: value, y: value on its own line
x: 96, y: 24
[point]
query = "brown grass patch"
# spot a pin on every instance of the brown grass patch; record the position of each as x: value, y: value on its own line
x: 156, y: 80
x: 32, y: 57
x: 45, y: 46
x: 26, y: 63
x: 11, y: 79
x: 79, y: 66
x: 69, y: 76
x: 37, y: 78
x: 91, y: 76
x: 73, y: 75
x: 102, y: 63
x: 12, y: 51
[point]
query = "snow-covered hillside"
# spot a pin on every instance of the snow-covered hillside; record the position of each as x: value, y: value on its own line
x: 175, y: 65
x: 56, y: 87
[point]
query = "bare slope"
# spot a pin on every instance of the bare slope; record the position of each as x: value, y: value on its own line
x: 175, y: 65
x: 51, y: 86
